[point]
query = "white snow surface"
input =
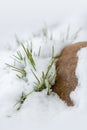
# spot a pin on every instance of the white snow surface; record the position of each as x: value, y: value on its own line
x: 40, y: 111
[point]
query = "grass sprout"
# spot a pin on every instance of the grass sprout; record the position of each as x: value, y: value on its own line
x: 68, y: 37
x: 40, y: 84
x: 39, y: 51
x: 45, y: 32
x: 18, y: 57
x: 46, y: 80
x: 22, y: 100
x: 29, y: 55
x: 18, y: 70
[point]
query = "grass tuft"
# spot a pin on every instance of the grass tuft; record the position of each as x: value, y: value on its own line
x: 46, y: 79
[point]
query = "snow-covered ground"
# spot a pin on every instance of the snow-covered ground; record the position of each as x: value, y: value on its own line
x: 39, y: 111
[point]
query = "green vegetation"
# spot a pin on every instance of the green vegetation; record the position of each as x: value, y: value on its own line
x: 46, y: 79
x: 45, y: 82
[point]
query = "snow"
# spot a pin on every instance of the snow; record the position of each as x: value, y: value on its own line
x: 39, y: 110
